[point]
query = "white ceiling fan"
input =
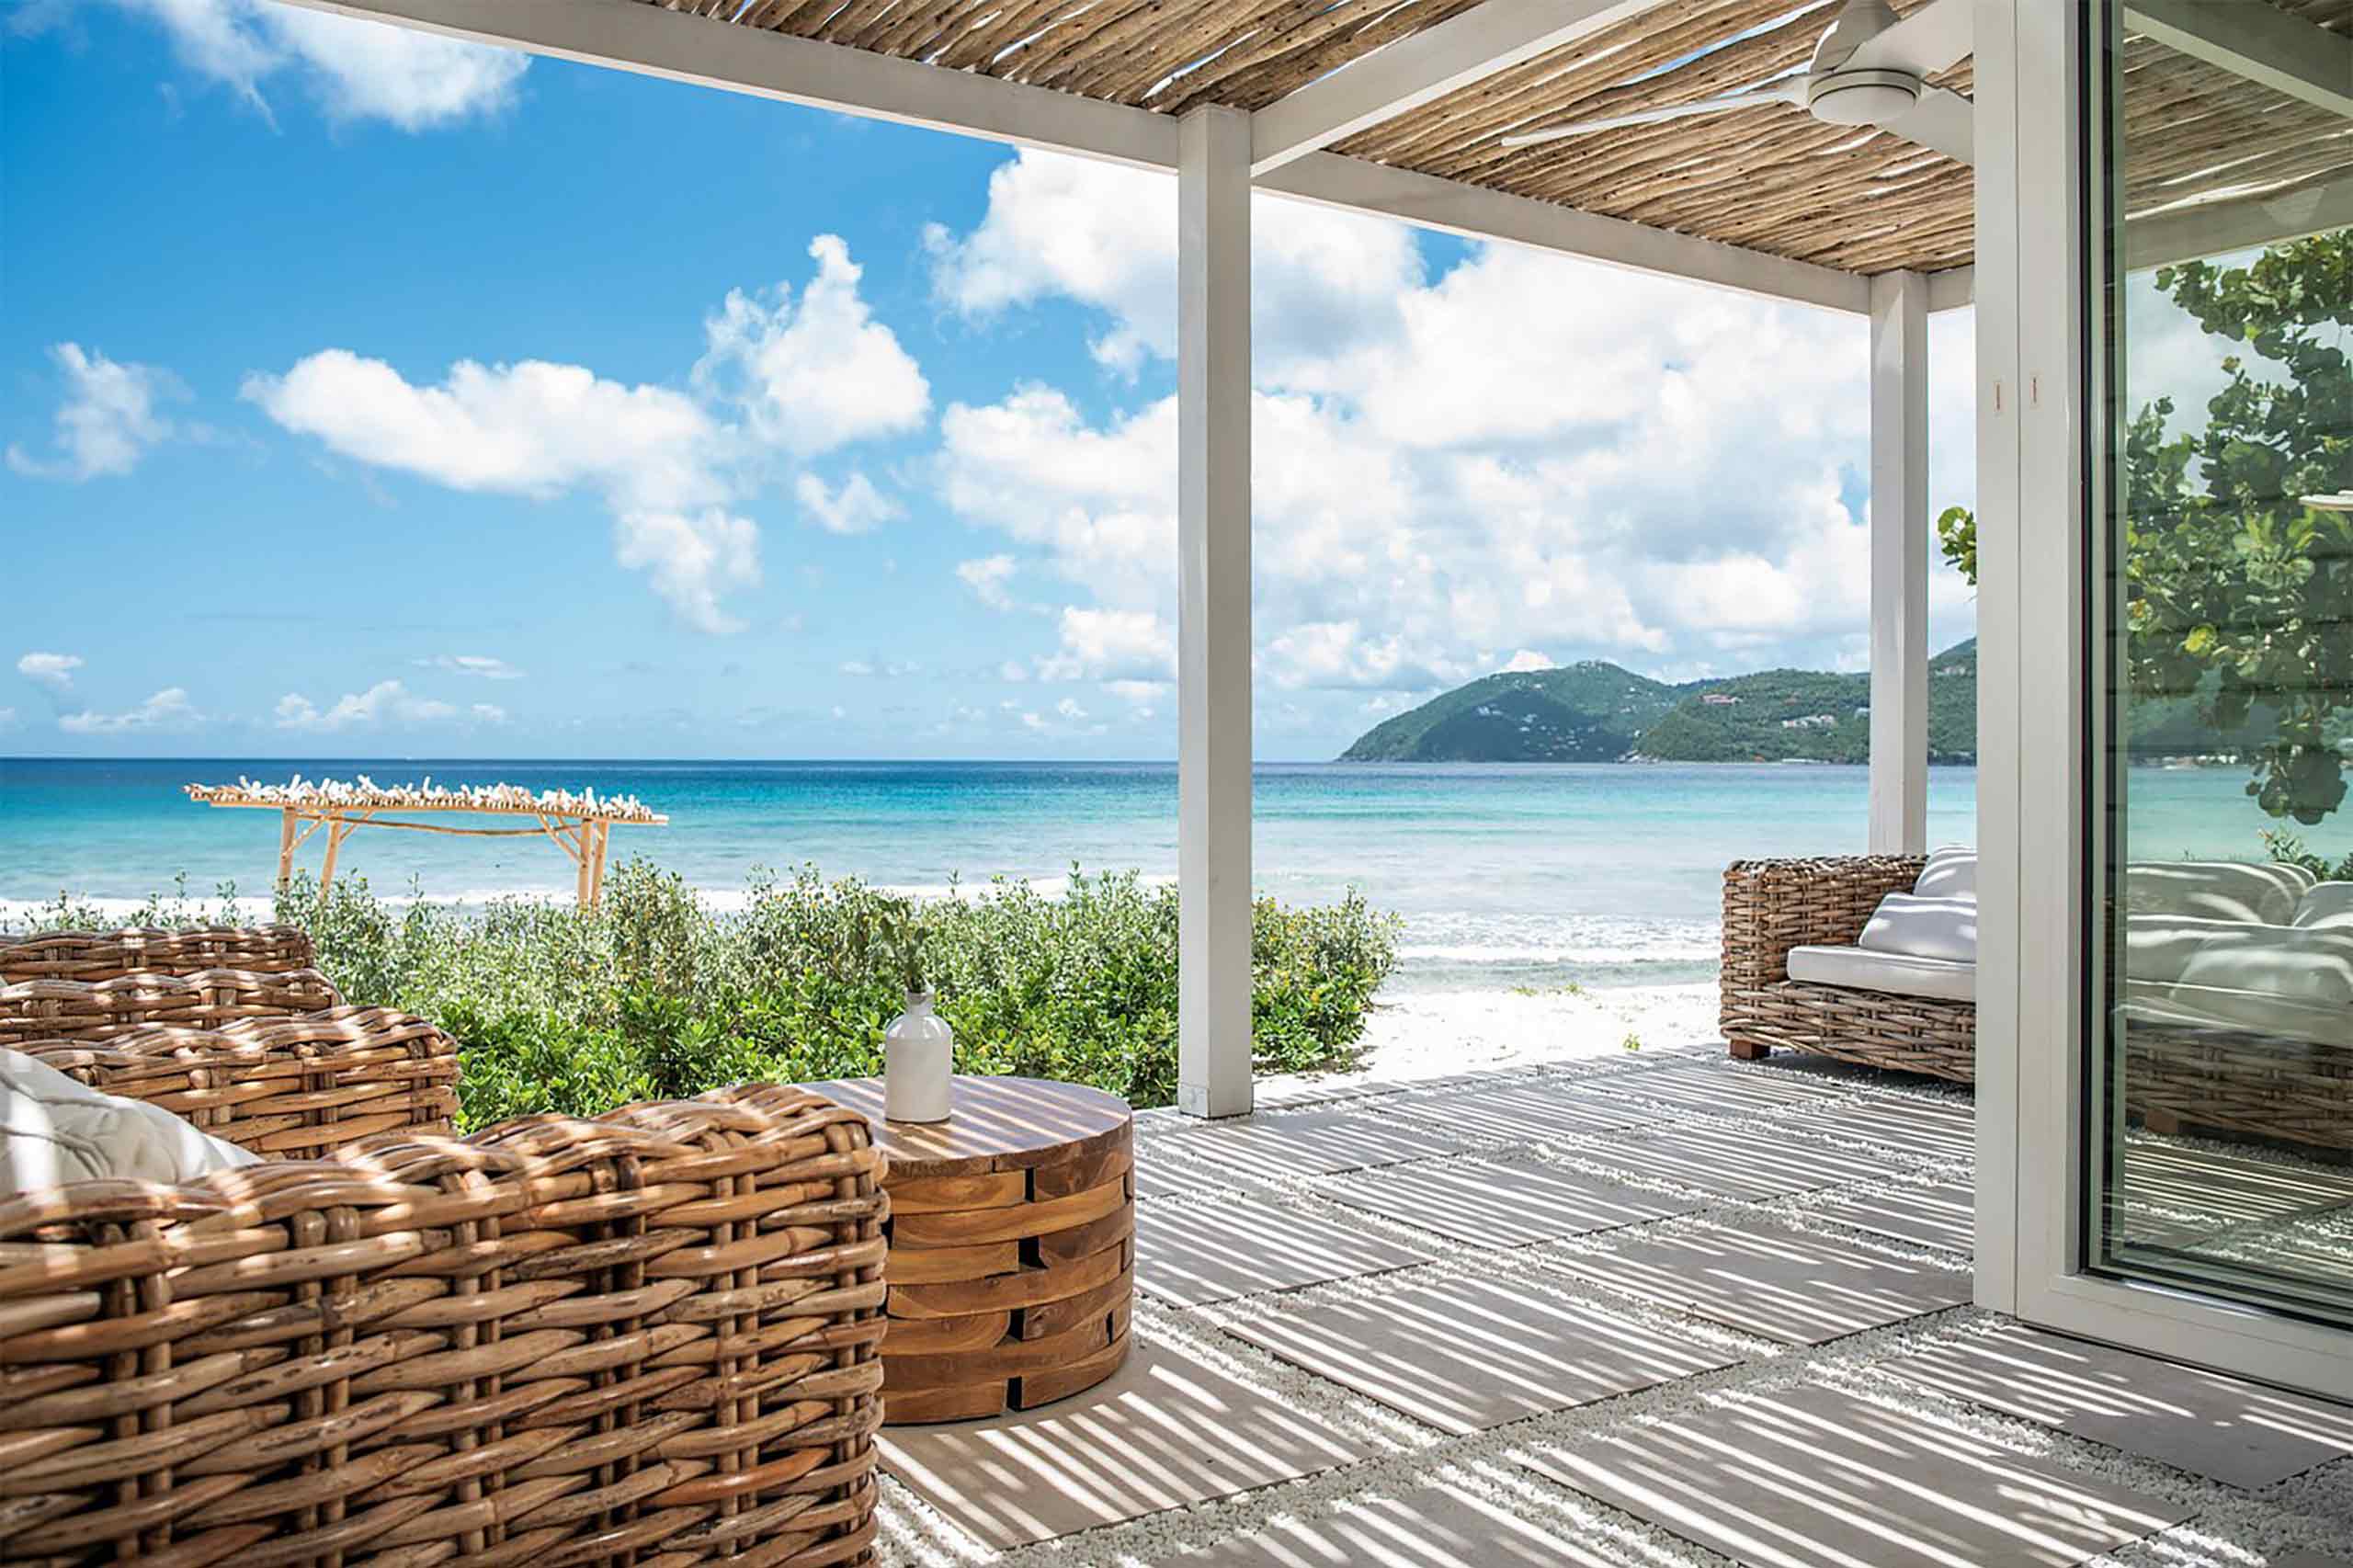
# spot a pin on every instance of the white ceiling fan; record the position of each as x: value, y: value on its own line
x: 1870, y: 69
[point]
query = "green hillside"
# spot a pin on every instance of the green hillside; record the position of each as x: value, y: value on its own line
x: 1587, y: 712
x: 1598, y: 712
x: 1811, y: 716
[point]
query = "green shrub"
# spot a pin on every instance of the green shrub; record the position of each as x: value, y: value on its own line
x: 653, y: 994
x: 2287, y: 848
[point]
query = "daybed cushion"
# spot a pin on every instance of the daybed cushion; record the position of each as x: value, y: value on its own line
x: 2158, y: 947
x: 2307, y: 964
x: 2328, y: 903
x: 1903, y: 975
x: 1951, y: 872
x: 2265, y: 894
x: 55, y: 1130
x: 1922, y: 927
x: 2282, y: 1018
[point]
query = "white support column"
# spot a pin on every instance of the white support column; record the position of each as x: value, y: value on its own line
x: 1213, y: 616
x: 1899, y: 783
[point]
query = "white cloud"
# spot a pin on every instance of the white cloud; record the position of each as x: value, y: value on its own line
x: 356, y: 69
x: 1112, y: 644
x: 867, y: 669
x: 531, y: 428
x: 53, y: 670
x: 7, y: 718
x: 1101, y: 501
x: 692, y: 558
x: 856, y: 508
x: 1526, y: 452
x: 1069, y: 709
x: 1528, y: 659
x: 1142, y: 696
x: 539, y: 429
x: 167, y: 709
x: 488, y: 713
x: 674, y: 468
x: 108, y: 419
x: 387, y: 701
x: 988, y: 577
x: 479, y: 665
x: 1106, y: 236
x: 816, y: 377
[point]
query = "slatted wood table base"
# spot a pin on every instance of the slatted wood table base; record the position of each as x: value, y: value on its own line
x: 1011, y: 1247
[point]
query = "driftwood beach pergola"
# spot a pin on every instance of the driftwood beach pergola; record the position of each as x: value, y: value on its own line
x: 580, y: 824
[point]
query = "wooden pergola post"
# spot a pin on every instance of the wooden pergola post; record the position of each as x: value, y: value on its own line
x: 334, y: 846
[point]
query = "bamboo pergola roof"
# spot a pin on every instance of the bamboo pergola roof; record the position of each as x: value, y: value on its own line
x: 1771, y: 180
x: 365, y: 794
x: 580, y: 823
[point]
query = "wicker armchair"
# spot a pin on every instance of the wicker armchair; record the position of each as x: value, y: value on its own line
x: 650, y: 1337
x: 647, y: 1338
x: 1771, y: 906
x: 108, y: 955
x: 267, y: 1058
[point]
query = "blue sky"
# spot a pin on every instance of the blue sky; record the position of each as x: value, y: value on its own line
x: 364, y: 396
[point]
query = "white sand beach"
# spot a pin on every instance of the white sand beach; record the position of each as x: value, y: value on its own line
x: 1421, y: 1035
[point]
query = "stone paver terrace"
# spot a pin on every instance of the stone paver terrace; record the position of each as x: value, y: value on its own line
x: 1662, y: 1310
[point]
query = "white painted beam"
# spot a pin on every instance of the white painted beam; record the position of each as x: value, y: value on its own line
x: 2256, y: 40
x: 1899, y: 757
x: 2217, y: 228
x: 1214, y: 613
x: 1953, y: 289
x: 1493, y: 36
x: 1479, y: 213
x: 709, y: 52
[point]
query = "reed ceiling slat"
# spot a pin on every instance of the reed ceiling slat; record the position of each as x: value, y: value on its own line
x: 1770, y: 178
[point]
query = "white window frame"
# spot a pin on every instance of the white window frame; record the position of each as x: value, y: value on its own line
x: 2035, y: 768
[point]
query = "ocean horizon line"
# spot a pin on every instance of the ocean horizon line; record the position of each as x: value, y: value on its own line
x: 313, y: 758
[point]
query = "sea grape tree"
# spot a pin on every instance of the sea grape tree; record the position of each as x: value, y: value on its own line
x: 2238, y: 594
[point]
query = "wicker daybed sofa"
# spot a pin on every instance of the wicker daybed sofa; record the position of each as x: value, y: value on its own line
x: 2200, y: 1058
x: 652, y: 1338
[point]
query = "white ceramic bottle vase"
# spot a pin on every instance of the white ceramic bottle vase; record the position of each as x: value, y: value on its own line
x: 918, y: 1057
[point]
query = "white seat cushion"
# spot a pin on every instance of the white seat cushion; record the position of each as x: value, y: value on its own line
x: 1951, y: 872
x: 2327, y: 904
x: 1924, y: 928
x: 2265, y: 893
x: 2304, y: 964
x: 55, y: 1130
x: 2252, y: 1012
x: 1903, y: 975
x: 2158, y: 947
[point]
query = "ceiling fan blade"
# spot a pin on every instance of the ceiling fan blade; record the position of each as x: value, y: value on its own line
x: 1935, y: 38
x: 1942, y: 121
x: 1793, y: 93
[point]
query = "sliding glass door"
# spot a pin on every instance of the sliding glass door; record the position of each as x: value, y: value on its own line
x: 2219, y: 309
x: 2165, y: 316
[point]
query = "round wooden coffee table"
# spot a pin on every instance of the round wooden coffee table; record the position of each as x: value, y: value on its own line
x: 1012, y: 1246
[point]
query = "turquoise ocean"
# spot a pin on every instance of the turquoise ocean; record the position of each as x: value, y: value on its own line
x: 1504, y: 875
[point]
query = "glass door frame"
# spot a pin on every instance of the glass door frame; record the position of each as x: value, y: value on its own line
x: 2037, y: 776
